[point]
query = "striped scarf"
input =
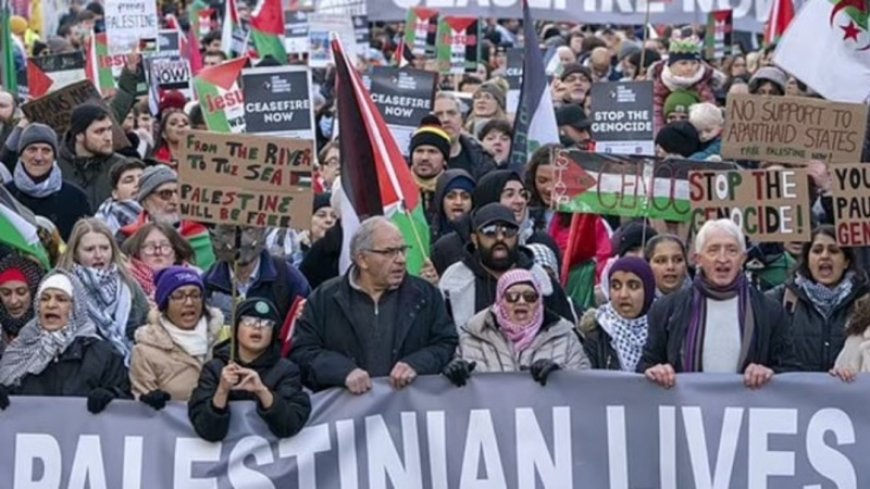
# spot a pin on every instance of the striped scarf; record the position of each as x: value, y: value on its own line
x: 702, y: 290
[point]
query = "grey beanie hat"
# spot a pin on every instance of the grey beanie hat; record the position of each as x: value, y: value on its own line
x: 771, y: 74
x: 153, y: 178
x: 37, y: 133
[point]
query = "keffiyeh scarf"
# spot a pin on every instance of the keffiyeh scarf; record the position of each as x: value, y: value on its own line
x: 109, y: 305
x: 627, y: 336
x: 823, y: 298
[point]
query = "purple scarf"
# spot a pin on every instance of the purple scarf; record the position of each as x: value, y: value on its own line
x: 522, y: 334
x: 693, y: 346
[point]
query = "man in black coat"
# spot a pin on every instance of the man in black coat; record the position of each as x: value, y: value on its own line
x: 373, y: 321
x: 722, y: 324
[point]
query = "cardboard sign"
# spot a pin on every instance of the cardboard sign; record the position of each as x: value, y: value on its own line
x: 628, y: 186
x: 769, y: 205
x: 246, y: 180
x: 278, y: 101
x: 403, y: 96
x: 622, y: 117
x: 55, y: 109
x: 131, y: 25
x: 851, y: 203
x: 295, y: 32
x: 793, y: 130
x: 514, y: 77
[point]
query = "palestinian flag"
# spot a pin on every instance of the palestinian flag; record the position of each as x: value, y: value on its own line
x: 781, y: 15
x: 99, y: 63
x: 200, y: 14
x: 49, y: 73
x: 220, y: 96
x: 234, y: 40
x: 421, y: 28
x: 9, y: 72
x: 267, y: 29
x: 535, y: 122
x: 458, y: 45
x: 375, y: 178
x: 717, y: 39
x: 18, y: 228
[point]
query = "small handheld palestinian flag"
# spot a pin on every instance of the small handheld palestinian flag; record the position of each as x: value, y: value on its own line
x: 421, y: 27
x: 221, y: 98
x: 717, y: 39
x: 457, y: 44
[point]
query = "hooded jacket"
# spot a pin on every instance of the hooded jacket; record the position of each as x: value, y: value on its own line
x: 287, y: 415
x: 473, y: 158
x: 91, y: 174
x: 439, y: 223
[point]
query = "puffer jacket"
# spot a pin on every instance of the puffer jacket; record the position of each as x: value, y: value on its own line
x: 158, y: 362
x: 480, y: 341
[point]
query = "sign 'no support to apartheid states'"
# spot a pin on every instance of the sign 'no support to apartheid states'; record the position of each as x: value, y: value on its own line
x: 245, y: 180
x: 850, y: 184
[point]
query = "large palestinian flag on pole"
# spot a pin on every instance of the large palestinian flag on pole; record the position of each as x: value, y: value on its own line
x: 267, y: 30
x: 375, y: 178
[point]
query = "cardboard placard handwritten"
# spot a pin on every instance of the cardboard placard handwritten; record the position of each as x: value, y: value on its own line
x: 246, y: 180
x: 769, y: 205
x: 131, y: 25
x: 851, y: 203
x: 55, y: 109
x: 793, y: 129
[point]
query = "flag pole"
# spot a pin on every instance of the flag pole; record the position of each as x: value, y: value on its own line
x: 237, y: 238
x: 645, y: 38
x: 424, y: 250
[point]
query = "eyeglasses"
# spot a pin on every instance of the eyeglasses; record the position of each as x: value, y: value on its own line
x: 156, y: 249
x: 167, y: 194
x: 256, y: 323
x: 493, y: 230
x: 528, y: 296
x: 392, y: 253
x: 180, y: 297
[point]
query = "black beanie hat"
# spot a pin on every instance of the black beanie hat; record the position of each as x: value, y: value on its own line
x: 83, y: 116
x: 679, y: 137
x: 490, y: 186
x: 631, y: 236
x: 259, y: 308
x: 430, y: 132
x: 321, y: 200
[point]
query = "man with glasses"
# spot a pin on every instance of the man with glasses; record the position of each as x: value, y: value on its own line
x: 469, y: 285
x: 158, y: 196
x: 373, y: 321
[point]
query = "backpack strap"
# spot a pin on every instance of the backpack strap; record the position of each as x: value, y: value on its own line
x: 789, y: 300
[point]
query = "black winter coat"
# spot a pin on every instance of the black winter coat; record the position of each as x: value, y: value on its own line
x: 668, y: 321
x: 64, y: 208
x: 326, y: 341
x: 86, y: 364
x: 474, y: 159
x: 599, y: 348
x: 321, y: 261
x: 817, y: 341
x: 91, y: 174
x: 290, y: 408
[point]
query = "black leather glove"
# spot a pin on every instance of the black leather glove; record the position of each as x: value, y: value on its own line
x: 4, y: 398
x: 459, y: 371
x: 156, y: 399
x: 98, y: 399
x: 541, y: 369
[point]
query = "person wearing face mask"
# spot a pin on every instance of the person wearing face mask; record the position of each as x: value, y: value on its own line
x: 38, y: 184
x: 516, y: 333
x: 116, y: 303
x: 255, y: 372
x: 615, y: 333
x: 173, y: 346
x: 19, y: 277
x: 819, y: 298
x: 683, y: 70
x: 452, y: 201
x: 122, y: 208
x: 59, y: 352
x: 470, y: 284
x: 158, y: 195
x: 257, y: 273
x: 722, y: 324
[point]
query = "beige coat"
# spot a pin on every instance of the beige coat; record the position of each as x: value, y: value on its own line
x: 855, y: 353
x: 481, y: 341
x: 158, y: 363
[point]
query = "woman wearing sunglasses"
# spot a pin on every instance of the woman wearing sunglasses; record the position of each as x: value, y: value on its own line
x: 517, y: 333
x: 257, y: 372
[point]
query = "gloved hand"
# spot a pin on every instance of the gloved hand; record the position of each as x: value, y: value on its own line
x: 4, y: 398
x: 156, y: 399
x: 459, y: 371
x: 98, y: 399
x: 541, y: 369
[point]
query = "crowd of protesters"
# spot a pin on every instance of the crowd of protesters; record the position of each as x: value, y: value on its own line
x: 137, y: 301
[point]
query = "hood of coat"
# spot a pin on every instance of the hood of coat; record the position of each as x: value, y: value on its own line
x: 265, y: 361
x: 153, y: 334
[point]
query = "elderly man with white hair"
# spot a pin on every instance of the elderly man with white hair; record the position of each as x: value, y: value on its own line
x: 721, y: 324
x: 709, y: 120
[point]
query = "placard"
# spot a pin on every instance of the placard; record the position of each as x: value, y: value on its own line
x: 295, y: 32
x: 171, y: 73
x: 169, y: 42
x: 403, y: 96
x: 278, y: 101
x: 55, y: 109
x: 131, y: 25
x: 622, y: 117
x: 458, y: 45
x: 718, y: 36
x: 319, y: 27
x: 514, y: 77
x: 793, y: 129
x: 851, y: 202
x: 246, y: 180
x: 769, y: 205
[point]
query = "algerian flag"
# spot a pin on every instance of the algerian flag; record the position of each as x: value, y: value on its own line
x: 267, y: 30
x: 828, y: 47
x: 220, y: 96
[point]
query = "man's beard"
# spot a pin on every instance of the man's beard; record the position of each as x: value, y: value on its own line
x: 171, y: 218
x: 95, y: 149
x: 499, y: 264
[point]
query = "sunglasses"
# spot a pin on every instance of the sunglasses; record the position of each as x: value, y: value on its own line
x: 528, y: 296
x: 492, y: 231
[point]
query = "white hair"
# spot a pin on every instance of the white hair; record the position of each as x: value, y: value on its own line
x: 363, y: 239
x: 725, y: 225
x: 706, y: 117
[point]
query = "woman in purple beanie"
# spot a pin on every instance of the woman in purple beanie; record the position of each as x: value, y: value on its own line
x: 615, y: 333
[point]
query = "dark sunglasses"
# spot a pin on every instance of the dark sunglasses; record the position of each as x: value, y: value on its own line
x: 492, y: 231
x: 529, y: 297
